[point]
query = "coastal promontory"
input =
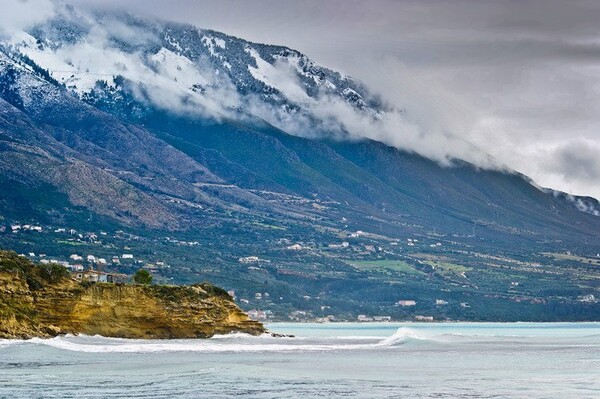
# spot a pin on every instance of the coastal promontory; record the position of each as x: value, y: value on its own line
x: 45, y: 301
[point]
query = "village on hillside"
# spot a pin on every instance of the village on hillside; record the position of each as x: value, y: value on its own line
x: 252, y: 270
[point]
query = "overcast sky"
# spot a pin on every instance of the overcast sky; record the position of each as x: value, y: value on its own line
x: 519, y: 79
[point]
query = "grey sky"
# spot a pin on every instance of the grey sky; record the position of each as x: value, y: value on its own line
x: 519, y: 79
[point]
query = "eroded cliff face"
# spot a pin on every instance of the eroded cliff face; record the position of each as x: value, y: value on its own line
x: 31, y: 306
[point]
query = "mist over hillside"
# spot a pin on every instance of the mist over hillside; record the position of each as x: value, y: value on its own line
x: 272, y: 173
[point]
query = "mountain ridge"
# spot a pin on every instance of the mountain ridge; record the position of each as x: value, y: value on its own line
x: 145, y: 156
x: 52, y: 116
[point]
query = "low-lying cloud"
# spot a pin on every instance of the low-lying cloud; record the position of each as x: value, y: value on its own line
x: 164, y: 78
x: 19, y: 14
x: 516, y: 80
x: 411, y: 123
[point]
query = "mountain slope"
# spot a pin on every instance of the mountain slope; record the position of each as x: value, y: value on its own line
x: 111, y: 121
x: 154, y: 153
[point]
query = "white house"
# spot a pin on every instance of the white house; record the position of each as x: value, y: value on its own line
x: 423, y: 318
x: 362, y: 317
x: 257, y: 314
x: 406, y: 302
x: 94, y: 276
x: 589, y: 298
x: 382, y: 318
x: 342, y: 245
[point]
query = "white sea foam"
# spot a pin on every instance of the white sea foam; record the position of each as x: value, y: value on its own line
x: 230, y: 343
x: 366, y: 360
x: 317, y: 339
x: 9, y: 342
x: 401, y: 335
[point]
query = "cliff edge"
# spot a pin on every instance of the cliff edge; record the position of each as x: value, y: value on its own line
x: 43, y: 301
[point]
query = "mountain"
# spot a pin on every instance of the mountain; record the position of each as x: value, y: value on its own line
x: 271, y: 172
x: 119, y: 61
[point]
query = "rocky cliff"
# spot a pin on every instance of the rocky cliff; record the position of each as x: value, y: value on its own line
x: 43, y: 301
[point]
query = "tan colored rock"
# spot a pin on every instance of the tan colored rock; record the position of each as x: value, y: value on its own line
x: 111, y: 310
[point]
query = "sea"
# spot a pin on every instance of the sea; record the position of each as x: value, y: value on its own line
x: 334, y: 360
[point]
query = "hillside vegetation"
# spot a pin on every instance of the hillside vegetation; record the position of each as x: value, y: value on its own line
x: 43, y: 301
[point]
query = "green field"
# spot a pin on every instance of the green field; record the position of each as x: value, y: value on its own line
x: 384, y: 265
x: 446, y: 267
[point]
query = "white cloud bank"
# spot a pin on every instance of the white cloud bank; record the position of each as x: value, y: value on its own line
x: 19, y: 14
x: 515, y: 78
x: 518, y: 80
x: 173, y: 82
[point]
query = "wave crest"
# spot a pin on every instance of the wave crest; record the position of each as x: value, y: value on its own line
x: 401, y: 335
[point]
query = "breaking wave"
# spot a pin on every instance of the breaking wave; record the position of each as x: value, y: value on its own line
x: 233, y: 343
x: 363, y: 360
x: 400, y: 336
x: 242, y: 343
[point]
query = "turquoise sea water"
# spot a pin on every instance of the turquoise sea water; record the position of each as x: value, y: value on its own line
x: 345, y: 360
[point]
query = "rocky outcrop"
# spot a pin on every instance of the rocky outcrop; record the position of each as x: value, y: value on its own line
x: 43, y: 301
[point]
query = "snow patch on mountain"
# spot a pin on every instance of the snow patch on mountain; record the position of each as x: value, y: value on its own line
x: 180, y: 69
x: 278, y: 77
x: 79, y: 66
x: 184, y: 69
x: 212, y: 43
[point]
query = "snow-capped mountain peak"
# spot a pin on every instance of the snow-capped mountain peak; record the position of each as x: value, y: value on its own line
x: 182, y: 68
x: 136, y: 65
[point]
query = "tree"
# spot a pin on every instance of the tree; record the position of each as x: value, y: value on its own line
x: 142, y: 277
